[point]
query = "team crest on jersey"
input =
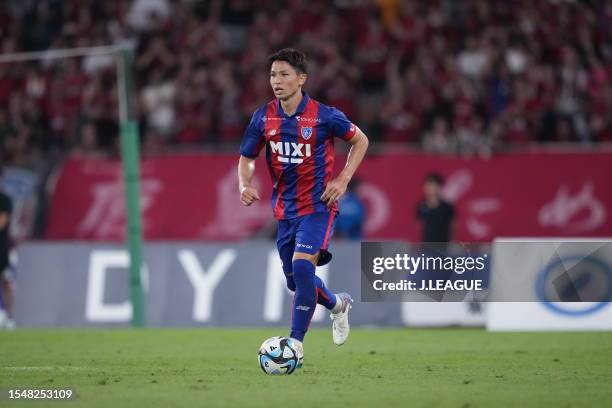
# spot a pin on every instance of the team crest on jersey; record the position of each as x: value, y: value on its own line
x: 306, y: 132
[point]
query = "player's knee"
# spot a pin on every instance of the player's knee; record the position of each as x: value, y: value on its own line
x: 312, y: 258
x: 303, y: 274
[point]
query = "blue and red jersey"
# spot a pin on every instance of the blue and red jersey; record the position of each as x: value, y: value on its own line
x: 299, y: 152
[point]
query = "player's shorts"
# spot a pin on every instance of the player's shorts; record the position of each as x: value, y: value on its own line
x: 310, y: 234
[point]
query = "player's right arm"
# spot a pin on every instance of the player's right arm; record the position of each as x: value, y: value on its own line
x: 252, y: 143
x: 246, y: 170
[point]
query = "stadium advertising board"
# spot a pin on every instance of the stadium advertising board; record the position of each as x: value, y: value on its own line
x: 574, y: 270
x: 193, y: 197
x: 186, y: 284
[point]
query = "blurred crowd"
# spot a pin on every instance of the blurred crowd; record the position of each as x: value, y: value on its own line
x: 458, y: 77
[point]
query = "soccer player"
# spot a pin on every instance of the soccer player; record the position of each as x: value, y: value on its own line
x: 298, y: 134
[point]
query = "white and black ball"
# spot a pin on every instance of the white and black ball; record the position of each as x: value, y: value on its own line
x: 279, y: 356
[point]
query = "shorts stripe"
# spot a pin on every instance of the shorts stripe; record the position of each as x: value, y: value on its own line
x: 332, y: 214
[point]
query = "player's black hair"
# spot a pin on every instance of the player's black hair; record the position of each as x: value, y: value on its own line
x: 435, y: 178
x: 295, y: 58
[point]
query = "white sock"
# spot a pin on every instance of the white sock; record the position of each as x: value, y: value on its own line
x: 338, y: 306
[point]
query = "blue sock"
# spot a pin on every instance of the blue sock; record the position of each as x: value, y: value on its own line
x: 305, y: 300
x: 325, y: 297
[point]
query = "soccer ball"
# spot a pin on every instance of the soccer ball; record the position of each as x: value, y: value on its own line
x: 279, y: 356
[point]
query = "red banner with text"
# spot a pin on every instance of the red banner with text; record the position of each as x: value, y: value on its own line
x: 195, y: 197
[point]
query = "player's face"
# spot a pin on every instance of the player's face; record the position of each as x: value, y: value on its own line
x: 285, y: 80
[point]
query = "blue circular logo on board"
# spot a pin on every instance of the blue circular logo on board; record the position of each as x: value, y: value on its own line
x: 593, y: 269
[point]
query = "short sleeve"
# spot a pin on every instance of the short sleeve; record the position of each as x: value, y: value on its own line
x: 340, y: 125
x: 253, y: 139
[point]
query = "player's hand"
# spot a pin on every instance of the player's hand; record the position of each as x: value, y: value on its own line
x: 334, y: 190
x: 248, y: 195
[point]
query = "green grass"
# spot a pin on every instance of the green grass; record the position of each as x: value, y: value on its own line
x: 382, y: 368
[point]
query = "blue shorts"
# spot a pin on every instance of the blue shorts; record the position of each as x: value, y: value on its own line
x: 309, y: 233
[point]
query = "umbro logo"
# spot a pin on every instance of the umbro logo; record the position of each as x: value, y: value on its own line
x: 303, y: 308
x: 271, y: 132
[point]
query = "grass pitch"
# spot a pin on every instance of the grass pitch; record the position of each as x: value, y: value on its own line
x: 383, y: 368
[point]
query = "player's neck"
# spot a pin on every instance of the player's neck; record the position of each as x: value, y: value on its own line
x: 291, y: 104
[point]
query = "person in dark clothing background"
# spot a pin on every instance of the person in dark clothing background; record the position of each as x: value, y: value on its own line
x: 436, y: 214
x: 351, y: 218
x: 6, y: 208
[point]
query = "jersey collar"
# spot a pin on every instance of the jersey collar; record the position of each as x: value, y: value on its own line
x: 300, y: 109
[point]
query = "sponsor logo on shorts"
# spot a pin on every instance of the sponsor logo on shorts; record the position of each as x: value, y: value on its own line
x: 303, y: 246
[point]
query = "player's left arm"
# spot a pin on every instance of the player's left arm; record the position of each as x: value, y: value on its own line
x: 337, y: 187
